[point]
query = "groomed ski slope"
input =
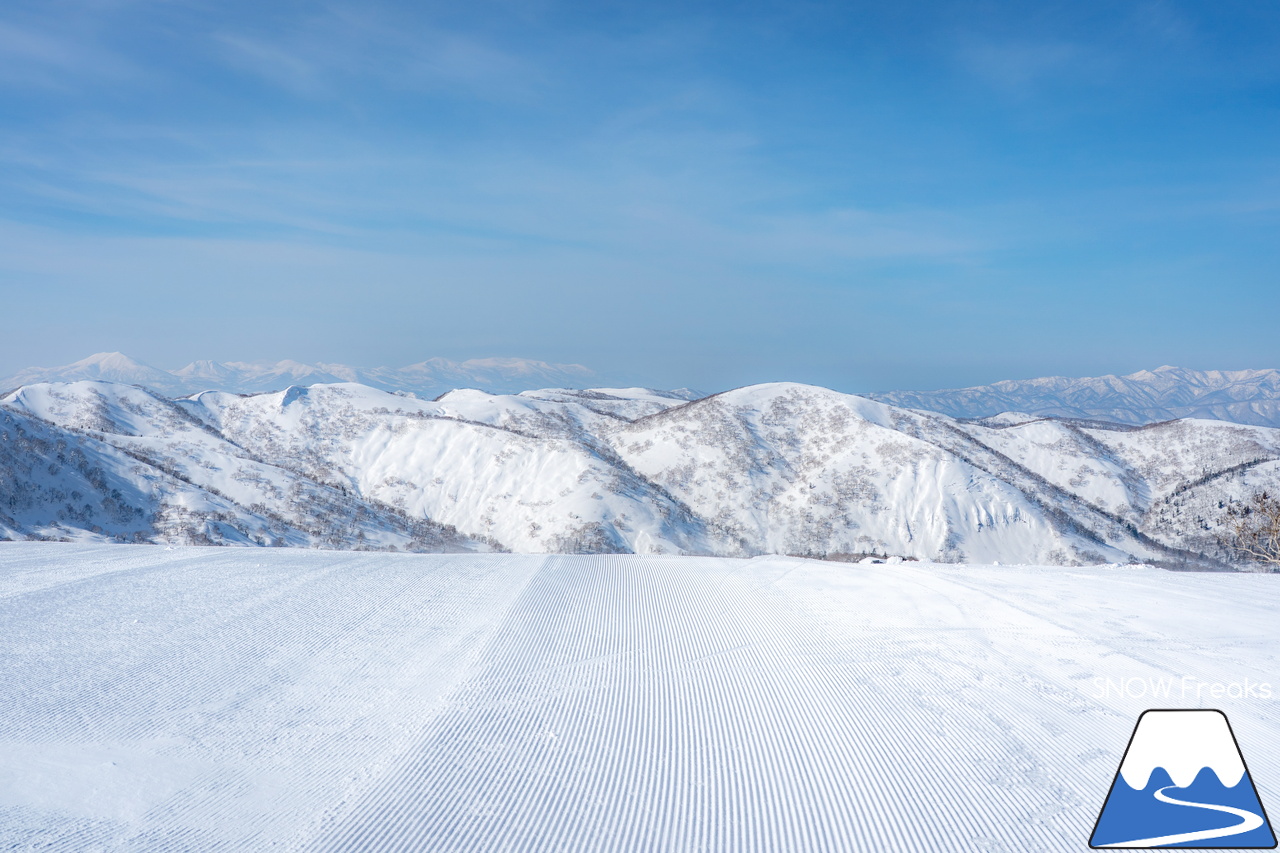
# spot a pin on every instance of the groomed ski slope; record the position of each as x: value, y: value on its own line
x: 252, y: 699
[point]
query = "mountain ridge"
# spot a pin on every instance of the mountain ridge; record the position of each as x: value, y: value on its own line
x: 781, y: 468
x: 1250, y: 396
x: 1147, y: 396
x: 428, y: 378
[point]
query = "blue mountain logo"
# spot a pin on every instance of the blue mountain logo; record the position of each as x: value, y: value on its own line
x: 1183, y: 783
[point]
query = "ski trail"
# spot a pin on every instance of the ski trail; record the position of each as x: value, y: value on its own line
x: 248, y: 699
x: 649, y: 704
x: 1248, y: 822
x: 627, y: 705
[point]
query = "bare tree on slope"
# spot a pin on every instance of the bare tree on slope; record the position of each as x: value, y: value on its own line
x: 1253, y: 530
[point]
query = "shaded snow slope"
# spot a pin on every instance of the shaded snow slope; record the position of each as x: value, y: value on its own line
x: 778, y: 468
x: 806, y: 470
x: 520, y: 471
x: 234, y: 699
x: 100, y: 460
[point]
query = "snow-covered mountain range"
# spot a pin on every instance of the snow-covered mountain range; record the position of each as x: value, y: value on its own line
x: 428, y: 379
x: 1148, y: 396
x: 778, y: 468
x: 1166, y: 393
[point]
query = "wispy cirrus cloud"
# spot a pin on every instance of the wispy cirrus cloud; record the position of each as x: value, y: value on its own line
x: 59, y: 58
x: 340, y: 47
x: 291, y: 69
x: 1020, y: 67
x: 587, y: 162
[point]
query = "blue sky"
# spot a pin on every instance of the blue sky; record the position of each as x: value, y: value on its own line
x: 861, y: 195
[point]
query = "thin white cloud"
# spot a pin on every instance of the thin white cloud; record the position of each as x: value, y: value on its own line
x: 851, y: 234
x: 273, y: 63
x: 341, y: 47
x: 1164, y: 21
x: 60, y: 59
x: 1018, y: 67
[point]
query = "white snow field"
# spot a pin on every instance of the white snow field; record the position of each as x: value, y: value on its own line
x: 203, y: 699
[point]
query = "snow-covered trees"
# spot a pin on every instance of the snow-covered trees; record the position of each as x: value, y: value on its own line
x: 1253, y: 530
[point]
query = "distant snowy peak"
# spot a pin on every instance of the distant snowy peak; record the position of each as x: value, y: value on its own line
x: 429, y: 378
x: 507, y: 367
x: 104, y: 367
x: 1166, y: 393
x: 250, y: 377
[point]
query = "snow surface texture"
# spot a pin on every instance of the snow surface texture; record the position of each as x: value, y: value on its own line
x: 1166, y: 393
x: 780, y: 468
x: 234, y: 699
x: 428, y: 378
